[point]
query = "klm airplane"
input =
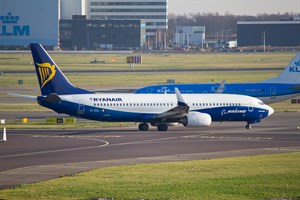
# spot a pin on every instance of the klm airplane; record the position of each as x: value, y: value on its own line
x: 282, y: 87
x: 160, y: 110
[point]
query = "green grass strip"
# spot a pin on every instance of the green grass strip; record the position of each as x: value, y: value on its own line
x: 255, y: 177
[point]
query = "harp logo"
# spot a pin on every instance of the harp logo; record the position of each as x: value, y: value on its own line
x: 47, y: 72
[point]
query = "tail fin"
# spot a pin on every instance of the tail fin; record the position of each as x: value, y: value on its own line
x: 51, y: 79
x: 291, y: 74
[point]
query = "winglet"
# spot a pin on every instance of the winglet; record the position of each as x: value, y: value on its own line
x: 221, y: 87
x: 180, y: 100
x: 181, y: 110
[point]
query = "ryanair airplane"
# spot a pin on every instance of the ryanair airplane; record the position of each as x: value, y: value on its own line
x: 160, y: 110
x: 285, y: 86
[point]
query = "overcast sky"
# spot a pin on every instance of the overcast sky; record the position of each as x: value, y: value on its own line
x: 237, y: 7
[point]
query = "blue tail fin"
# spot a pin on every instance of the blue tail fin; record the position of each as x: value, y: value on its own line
x: 51, y: 79
x: 291, y: 74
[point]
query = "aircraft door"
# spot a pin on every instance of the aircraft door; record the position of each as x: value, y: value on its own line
x: 149, y: 90
x: 273, y: 92
x: 81, y: 108
x: 250, y: 107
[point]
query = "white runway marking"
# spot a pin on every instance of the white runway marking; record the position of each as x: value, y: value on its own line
x: 59, y: 150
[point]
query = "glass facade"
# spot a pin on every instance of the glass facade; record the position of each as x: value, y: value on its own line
x: 100, y: 34
x: 154, y: 13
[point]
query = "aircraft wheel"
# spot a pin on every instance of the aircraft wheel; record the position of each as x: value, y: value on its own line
x: 143, y: 127
x: 162, y: 127
x: 248, y: 127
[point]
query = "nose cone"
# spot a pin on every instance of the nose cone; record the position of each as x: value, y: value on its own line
x: 270, y: 110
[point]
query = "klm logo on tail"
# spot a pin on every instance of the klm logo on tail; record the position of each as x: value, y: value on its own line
x: 46, y: 72
x: 296, y: 68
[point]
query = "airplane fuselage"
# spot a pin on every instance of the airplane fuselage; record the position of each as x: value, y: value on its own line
x: 267, y: 92
x: 144, y: 107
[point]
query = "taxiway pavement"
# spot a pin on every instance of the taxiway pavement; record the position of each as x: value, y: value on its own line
x: 36, y: 155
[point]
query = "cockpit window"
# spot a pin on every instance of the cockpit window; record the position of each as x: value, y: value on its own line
x: 261, y: 103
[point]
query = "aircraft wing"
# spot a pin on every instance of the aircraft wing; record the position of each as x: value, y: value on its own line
x: 181, y: 110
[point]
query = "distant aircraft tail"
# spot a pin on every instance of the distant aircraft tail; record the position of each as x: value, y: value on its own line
x: 291, y: 74
x: 51, y: 79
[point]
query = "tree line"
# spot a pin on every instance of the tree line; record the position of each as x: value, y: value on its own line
x: 219, y: 27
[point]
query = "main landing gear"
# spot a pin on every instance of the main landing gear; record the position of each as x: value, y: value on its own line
x: 160, y: 127
x: 143, y: 127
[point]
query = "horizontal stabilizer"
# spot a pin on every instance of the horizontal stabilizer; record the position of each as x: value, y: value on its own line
x: 23, y: 96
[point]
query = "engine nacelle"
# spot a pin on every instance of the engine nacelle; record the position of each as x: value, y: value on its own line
x: 196, y: 119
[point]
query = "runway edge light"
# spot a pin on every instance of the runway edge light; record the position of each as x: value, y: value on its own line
x: 4, y: 138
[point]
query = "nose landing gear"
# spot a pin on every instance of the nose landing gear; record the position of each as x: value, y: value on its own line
x: 248, y: 127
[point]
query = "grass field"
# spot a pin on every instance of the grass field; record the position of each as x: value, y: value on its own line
x: 13, y: 62
x: 257, y: 177
x: 107, y: 80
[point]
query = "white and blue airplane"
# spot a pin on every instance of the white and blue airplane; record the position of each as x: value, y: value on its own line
x: 160, y: 110
x: 285, y: 86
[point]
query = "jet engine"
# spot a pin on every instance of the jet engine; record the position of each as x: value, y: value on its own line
x: 196, y: 119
